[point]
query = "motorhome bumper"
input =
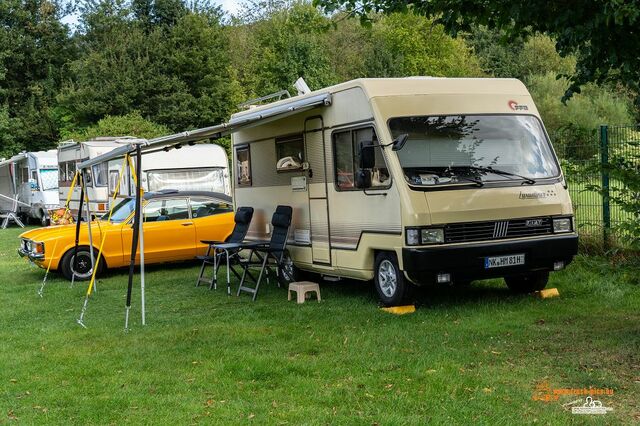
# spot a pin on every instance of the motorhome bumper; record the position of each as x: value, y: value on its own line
x: 467, y: 262
x: 31, y: 256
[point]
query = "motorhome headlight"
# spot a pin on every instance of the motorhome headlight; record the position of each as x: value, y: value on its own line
x: 413, y: 237
x: 432, y: 236
x: 424, y: 236
x: 562, y: 224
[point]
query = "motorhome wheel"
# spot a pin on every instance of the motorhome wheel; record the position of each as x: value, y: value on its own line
x: 389, y: 280
x: 44, y: 218
x: 527, y: 283
x: 84, y: 264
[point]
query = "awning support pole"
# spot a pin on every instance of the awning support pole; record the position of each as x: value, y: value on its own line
x: 140, y: 195
x: 88, y: 210
x: 134, y: 241
x: 78, y: 223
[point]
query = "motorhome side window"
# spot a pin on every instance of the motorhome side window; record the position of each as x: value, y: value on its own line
x: 71, y: 170
x: 100, y: 174
x: 346, y: 146
x: 290, y: 153
x: 243, y: 166
x: 114, y: 175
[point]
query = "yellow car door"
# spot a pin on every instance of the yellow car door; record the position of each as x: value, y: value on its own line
x: 169, y: 231
x: 213, y: 220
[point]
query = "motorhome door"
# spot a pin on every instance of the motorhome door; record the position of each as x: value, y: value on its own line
x: 318, y: 205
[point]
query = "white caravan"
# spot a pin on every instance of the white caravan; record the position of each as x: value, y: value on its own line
x: 409, y: 181
x: 31, y: 178
x: 202, y: 167
x: 72, y: 153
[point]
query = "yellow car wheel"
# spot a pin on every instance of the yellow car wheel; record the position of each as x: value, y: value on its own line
x: 83, y: 272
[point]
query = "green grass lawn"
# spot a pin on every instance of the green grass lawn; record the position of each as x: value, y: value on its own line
x: 466, y: 356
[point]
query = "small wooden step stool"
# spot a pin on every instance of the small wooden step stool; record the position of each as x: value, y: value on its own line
x: 302, y: 288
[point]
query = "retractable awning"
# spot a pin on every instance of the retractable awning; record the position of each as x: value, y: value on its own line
x: 249, y: 119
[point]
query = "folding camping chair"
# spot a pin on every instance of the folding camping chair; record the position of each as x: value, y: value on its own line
x: 267, y: 253
x: 11, y: 215
x: 219, y: 251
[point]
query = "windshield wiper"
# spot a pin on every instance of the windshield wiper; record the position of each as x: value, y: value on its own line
x: 468, y: 179
x: 490, y: 169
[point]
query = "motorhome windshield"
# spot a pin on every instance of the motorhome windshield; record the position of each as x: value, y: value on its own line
x: 49, y: 178
x: 122, y: 211
x: 473, y: 149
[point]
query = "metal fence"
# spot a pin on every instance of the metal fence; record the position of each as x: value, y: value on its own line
x: 587, y: 166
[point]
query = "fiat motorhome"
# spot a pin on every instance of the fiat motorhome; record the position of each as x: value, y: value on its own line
x: 29, y: 181
x: 409, y: 181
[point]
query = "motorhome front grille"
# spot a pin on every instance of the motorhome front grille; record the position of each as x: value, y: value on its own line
x: 493, y: 230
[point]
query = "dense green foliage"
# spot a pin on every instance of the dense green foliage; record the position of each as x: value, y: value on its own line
x: 132, y: 124
x: 604, y: 34
x: 34, y: 51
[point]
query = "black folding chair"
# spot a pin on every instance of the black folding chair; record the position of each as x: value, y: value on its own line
x: 220, y: 251
x: 267, y: 254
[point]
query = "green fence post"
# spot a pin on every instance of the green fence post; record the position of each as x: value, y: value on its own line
x: 604, y: 167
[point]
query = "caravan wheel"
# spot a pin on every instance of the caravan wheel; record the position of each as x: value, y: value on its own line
x: 389, y: 280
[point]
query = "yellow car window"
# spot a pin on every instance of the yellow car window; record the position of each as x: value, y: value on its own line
x: 166, y: 209
x: 203, y: 207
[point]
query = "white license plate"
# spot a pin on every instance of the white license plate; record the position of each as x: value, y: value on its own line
x: 501, y: 261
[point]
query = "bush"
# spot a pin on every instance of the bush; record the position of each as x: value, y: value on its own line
x: 573, y: 127
x: 132, y: 124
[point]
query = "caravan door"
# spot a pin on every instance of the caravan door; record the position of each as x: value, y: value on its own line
x: 318, y: 205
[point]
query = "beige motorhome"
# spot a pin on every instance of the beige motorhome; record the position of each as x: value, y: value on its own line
x: 409, y: 181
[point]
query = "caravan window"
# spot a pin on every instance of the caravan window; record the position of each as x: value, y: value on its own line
x: 243, y: 166
x: 71, y: 170
x: 290, y: 153
x: 113, y: 181
x: 100, y: 174
x: 346, y: 146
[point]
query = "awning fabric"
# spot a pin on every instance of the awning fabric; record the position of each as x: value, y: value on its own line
x: 248, y: 119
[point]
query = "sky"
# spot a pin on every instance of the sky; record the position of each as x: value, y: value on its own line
x: 230, y: 6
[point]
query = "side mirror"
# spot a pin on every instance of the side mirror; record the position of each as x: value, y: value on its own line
x: 398, y: 143
x: 363, y: 179
x: 367, y: 156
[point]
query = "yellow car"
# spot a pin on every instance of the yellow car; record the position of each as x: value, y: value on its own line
x: 174, y: 224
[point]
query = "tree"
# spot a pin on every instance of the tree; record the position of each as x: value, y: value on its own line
x: 132, y: 124
x: 175, y: 73
x: 603, y: 33
x: 406, y: 44
x: 34, y: 47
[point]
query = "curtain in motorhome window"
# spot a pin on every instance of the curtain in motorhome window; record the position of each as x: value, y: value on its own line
x: 71, y: 170
x: 347, y: 159
x: 101, y: 174
x: 289, y: 153
x: 210, y: 179
x: 243, y: 166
